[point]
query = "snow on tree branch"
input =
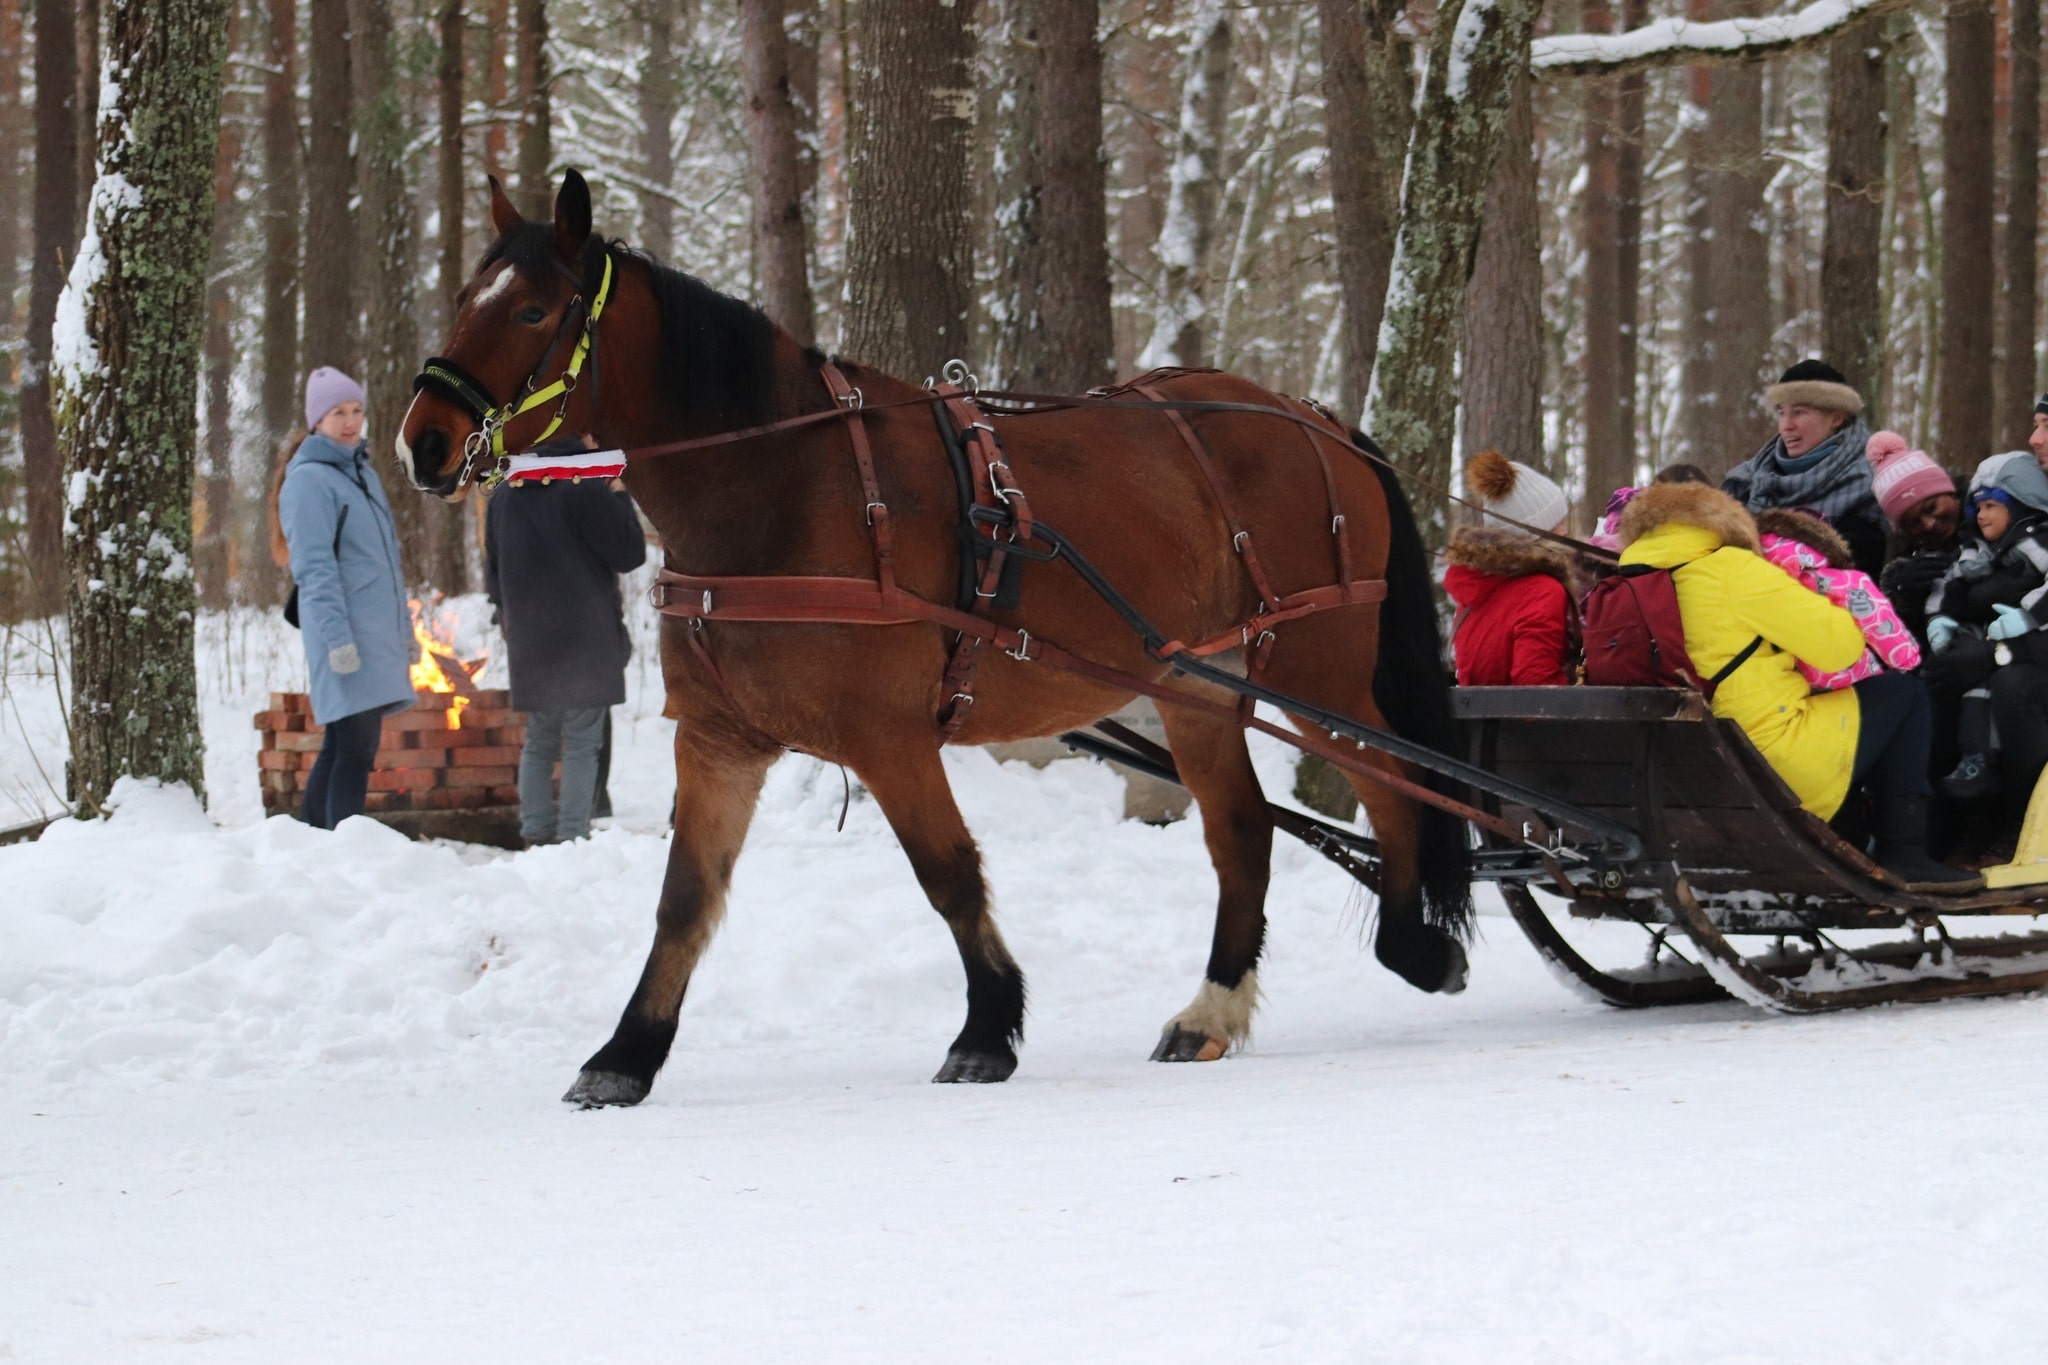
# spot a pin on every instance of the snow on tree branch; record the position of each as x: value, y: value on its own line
x: 1676, y: 42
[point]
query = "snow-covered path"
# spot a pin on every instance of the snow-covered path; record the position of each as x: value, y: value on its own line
x: 269, y: 1094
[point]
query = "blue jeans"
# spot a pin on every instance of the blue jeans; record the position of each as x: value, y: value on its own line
x: 341, y: 775
x: 574, y: 737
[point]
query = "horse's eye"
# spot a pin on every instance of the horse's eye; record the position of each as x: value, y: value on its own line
x: 531, y: 316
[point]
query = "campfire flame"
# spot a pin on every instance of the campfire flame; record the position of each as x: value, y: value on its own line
x: 438, y: 668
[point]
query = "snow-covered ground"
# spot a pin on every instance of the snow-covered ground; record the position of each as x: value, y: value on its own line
x: 278, y: 1094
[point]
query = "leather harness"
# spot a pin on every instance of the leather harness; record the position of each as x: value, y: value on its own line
x: 1000, y: 518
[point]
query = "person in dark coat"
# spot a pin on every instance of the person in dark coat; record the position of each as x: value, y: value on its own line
x: 553, y: 551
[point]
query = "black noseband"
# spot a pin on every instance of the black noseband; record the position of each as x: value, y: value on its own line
x: 450, y: 380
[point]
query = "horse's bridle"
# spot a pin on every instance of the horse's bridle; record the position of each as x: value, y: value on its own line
x: 486, y: 445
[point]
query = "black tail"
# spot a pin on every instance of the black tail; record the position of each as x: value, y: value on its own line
x: 1413, y: 692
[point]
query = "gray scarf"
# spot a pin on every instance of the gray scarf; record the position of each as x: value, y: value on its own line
x: 1837, y: 482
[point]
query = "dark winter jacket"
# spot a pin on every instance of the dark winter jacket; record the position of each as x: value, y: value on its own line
x: 344, y: 557
x: 1517, y: 624
x: 552, y: 557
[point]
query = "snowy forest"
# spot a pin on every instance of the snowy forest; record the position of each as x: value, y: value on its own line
x: 1580, y: 234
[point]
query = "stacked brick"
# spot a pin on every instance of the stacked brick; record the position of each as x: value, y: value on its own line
x: 422, y: 764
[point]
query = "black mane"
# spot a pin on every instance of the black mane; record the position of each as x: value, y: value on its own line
x: 716, y: 356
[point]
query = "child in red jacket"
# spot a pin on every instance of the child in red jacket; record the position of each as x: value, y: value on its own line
x: 1517, y: 620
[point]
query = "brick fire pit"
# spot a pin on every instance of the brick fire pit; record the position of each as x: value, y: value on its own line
x: 430, y: 781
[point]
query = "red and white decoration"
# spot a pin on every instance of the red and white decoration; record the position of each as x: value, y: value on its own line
x: 593, y: 464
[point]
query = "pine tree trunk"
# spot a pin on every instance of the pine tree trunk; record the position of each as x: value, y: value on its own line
x: 125, y: 383
x: 330, y: 269
x: 804, y: 39
x: 449, y: 87
x: 1628, y: 227
x: 17, y: 158
x: 213, y: 518
x: 657, y: 123
x: 910, y: 261
x: 1728, y: 322
x: 1601, y: 414
x: 281, y: 205
x: 1366, y: 96
x: 1187, y: 235
x: 1477, y: 52
x: 1963, y: 422
x: 53, y: 238
x: 1851, y: 303
x: 780, y: 249
x: 1053, y: 332
x: 2015, y: 406
x: 1500, y: 398
x: 86, y: 26
x: 498, y: 23
x: 531, y: 79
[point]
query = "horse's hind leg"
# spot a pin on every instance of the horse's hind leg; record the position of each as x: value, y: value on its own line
x: 909, y: 784
x: 716, y: 793
x: 1420, y: 953
x: 1216, y: 767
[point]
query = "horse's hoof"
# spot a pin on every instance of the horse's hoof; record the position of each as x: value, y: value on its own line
x: 603, y: 1089
x: 976, y: 1068
x: 1457, y: 972
x: 1187, y: 1045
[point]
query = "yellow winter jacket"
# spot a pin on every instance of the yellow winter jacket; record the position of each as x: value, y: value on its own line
x: 1727, y: 596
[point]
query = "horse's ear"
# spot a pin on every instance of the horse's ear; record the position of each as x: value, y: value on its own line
x: 572, y: 216
x: 503, y: 216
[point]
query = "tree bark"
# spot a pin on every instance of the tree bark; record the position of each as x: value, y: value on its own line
x: 1367, y: 94
x: 1477, y: 52
x: 1851, y: 302
x: 910, y: 263
x: 86, y: 40
x: 781, y: 251
x: 498, y: 23
x: 17, y: 156
x: 531, y: 80
x: 1608, y: 465
x: 657, y: 122
x: 126, y: 377
x: 1628, y: 224
x: 1963, y: 422
x: 1728, y: 322
x: 213, y: 518
x: 448, y: 74
x: 54, y: 235
x: 1193, y: 189
x: 2015, y: 407
x: 331, y: 333
x: 1500, y: 400
x: 1053, y: 331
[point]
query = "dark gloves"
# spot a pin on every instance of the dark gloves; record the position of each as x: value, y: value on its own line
x: 1958, y: 668
x: 1908, y: 581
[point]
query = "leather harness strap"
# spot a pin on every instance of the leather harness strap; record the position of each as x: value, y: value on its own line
x: 881, y: 601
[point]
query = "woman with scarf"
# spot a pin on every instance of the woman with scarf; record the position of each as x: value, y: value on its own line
x: 1816, y: 461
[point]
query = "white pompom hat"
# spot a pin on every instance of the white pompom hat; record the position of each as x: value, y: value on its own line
x: 1511, y: 489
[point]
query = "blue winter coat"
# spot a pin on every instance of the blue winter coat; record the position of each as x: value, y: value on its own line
x: 344, y: 550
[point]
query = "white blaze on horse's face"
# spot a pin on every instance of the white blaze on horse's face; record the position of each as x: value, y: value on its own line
x: 490, y: 292
x: 403, y: 450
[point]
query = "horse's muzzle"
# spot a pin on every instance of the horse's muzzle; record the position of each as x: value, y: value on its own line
x: 430, y: 450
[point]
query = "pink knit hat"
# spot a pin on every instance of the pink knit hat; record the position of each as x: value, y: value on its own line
x: 327, y: 389
x: 1902, y: 479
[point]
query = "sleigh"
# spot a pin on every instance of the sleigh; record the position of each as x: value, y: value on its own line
x: 1737, y: 891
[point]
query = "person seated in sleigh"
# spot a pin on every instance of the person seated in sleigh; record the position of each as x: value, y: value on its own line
x: 1518, y: 622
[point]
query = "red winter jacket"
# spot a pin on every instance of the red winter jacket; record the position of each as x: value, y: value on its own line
x: 1517, y: 623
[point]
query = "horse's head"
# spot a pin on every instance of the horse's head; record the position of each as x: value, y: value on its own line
x: 518, y: 362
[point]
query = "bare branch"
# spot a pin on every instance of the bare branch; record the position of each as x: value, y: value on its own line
x: 1680, y: 42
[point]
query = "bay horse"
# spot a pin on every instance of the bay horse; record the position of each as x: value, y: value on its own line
x: 675, y: 360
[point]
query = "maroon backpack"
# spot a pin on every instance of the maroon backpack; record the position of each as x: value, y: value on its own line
x: 1635, y: 638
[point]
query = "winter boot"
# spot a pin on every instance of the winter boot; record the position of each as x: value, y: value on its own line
x: 1902, y: 850
x: 1976, y: 775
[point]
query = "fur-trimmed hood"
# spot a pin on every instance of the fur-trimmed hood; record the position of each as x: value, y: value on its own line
x: 1502, y: 553
x: 1687, y: 504
x: 1808, y: 530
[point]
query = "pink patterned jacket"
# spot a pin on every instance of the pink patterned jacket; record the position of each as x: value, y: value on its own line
x: 1852, y: 590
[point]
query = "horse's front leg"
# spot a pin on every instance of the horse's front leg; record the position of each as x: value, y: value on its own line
x: 908, y: 782
x: 716, y: 791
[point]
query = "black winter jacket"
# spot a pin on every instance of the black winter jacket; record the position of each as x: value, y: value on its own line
x: 552, y: 557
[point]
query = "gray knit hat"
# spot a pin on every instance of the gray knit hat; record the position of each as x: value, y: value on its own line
x: 1512, y: 490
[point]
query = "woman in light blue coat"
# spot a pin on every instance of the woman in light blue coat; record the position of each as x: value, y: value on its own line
x: 352, y: 613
